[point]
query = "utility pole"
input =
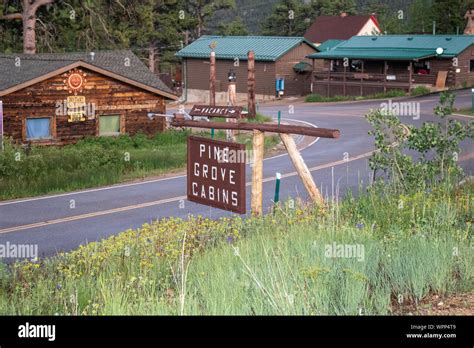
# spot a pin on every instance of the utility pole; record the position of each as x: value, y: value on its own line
x: 251, y: 84
x: 212, y: 79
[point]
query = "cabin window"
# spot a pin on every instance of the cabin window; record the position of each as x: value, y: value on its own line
x: 38, y: 128
x: 356, y: 65
x: 421, y: 68
x: 471, y: 66
x: 109, y: 125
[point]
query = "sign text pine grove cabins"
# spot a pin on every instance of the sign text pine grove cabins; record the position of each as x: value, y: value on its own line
x: 216, y: 173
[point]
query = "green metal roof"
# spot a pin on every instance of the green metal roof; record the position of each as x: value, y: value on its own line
x: 328, y: 45
x: 398, y: 47
x: 266, y: 48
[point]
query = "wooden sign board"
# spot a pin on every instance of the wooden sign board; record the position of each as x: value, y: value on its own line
x: 216, y: 111
x: 76, y: 108
x: 441, y: 79
x: 216, y: 174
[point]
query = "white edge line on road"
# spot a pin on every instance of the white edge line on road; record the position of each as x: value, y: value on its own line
x: 135, y: 183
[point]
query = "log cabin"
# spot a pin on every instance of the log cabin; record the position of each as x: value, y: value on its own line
x: 57, y: 99
x: 365, y: 65
x: 276, y: 59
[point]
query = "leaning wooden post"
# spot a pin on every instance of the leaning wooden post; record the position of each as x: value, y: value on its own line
x: 257, y: 173
x: 251, y: 84
x: 212, y: 77
x: 302, y: 169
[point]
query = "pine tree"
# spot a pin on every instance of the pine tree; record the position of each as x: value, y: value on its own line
x: 234, y: 28
x: 287, y: 19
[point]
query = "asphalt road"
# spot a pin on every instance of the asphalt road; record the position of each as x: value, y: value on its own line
x: 54, y: 226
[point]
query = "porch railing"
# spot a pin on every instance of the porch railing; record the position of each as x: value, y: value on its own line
x: 361, y: 77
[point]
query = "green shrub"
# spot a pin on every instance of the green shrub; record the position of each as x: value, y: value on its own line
x: 317, y: 98
x: 420, y: 90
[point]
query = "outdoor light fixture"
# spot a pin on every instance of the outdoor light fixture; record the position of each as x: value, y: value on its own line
x: 231, y: 76
x: 439, y: 51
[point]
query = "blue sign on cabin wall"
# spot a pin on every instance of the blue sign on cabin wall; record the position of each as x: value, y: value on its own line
x: 280, y: 84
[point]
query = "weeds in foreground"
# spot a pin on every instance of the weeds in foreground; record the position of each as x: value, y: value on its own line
x: 289, y: 262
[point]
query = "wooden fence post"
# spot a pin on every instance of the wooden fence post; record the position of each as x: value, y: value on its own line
x: 302, y: 169
x: 257, y: 173
x: 212, y: 77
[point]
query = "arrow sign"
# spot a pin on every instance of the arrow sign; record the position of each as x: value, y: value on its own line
x: 216, y: 111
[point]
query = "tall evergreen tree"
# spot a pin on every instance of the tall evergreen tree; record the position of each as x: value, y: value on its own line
x: 236, y: 28
x: 336, y: 7
x: 27, y: 14
x: 203, y: 10
x: 288, y: 18
x: 449, y: 15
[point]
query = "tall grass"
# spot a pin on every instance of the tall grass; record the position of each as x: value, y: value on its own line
x: 277, y: 264
x: 95, y: 162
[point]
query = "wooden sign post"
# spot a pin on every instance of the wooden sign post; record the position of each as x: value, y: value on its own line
x: 251, y: 84
x: 257, y: 172
x: 258, y: 129
x: 212, y: 78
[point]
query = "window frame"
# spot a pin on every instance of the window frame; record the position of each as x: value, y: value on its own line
x: 52, y: 129
x: 121, y: 125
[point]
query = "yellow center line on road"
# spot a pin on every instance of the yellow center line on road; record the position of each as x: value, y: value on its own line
x: 91, y: 215
x: 174, y: 199
x: 162, y: 201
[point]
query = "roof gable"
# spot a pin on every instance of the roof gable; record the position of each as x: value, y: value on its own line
x: 336, y: 27
x: 266, y: 48
x: 36, y: 68
x: 398, y: 47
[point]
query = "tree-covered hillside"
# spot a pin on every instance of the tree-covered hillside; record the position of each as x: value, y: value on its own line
x: 156, y: 29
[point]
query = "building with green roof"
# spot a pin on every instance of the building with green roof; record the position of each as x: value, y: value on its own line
x: 371, y: 64
x: 275, y: 58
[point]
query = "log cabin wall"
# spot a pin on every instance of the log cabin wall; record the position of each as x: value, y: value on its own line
x: 437, y: 65
x: 107, y: 95
x: 465, y: 76
x: 295, y: 83
x: 198, y: 72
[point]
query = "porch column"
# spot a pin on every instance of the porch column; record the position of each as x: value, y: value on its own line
x: 329, y: 77
x: 385, y: 68
x: 410, y: 76
x: 344, y: 86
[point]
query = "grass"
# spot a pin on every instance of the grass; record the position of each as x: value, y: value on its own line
x: 278, y: 264
x: 259, y: 118
x: 467, y: 112
x: 394, y: 93
x: 97, y: 161
x: 420, y: 90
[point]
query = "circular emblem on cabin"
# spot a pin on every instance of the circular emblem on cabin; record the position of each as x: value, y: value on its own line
x: 75, y: 81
